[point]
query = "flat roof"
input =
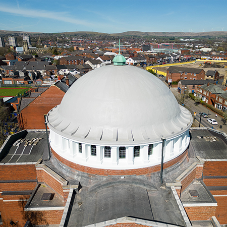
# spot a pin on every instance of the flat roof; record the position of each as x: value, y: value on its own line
x: 202, y: 196
x: 38, y: 202
x: 208, y: 144
x: 25, y: 147
x: 118, y: 199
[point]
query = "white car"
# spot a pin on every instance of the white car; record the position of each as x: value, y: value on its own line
x: 212, y: 121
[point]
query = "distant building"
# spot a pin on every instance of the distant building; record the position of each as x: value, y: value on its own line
x: 2, y: 44
x: 175, y: 73
x: 214, y: 94
x: 27, y: 38
x: 32, y: 109
x: 146, y: 47
x: 212, y: 74
x: 12, y: 41
x: 119, y: 152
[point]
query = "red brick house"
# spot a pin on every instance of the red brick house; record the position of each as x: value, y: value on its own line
x: 175, y: 73
x: 10, y: 56
x: 191, y: 85
x: 72, y: 60
x: 32, y: 109
x: 213, y: 94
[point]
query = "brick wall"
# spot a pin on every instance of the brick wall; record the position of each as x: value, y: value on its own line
x: 183, y: 76
x: 215, y: 168
x: 218, y: 171
x: 13, y: 211
x: 106, y: 172
x: 65, y: 195
x: 10, y: 176
x: 47, y: 217
x: 221, y: 210
x: 32, y: 116
x: 16, y: 186
x: 215, y: 181
x: 200, y: 213
x: 47, y: 178
x: 196, y: 173
x: 17, y: 172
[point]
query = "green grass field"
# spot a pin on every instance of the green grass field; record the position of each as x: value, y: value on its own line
x: 11, y: 92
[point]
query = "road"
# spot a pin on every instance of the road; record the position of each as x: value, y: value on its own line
x: 192, y: 107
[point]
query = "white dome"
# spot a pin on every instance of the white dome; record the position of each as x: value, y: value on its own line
x: 117, y: 105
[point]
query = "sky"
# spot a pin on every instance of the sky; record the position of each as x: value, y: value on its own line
x: 113, y: 16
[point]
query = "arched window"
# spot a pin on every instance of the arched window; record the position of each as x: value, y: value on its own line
x: 107, y: 152
x: 136, y: 151
x: 122, y: 152
x: 93, y: 150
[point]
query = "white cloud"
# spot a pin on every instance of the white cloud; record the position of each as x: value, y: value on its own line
x: 43, y: 14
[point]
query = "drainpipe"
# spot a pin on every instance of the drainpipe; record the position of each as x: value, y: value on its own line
x: 162, y: 158
x: 48, y: 144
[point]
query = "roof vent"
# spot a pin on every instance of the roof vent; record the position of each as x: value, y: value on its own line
x: 47, y: 196
x: 193, y: 193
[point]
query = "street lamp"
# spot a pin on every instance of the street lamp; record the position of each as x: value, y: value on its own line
x: 200, y: 119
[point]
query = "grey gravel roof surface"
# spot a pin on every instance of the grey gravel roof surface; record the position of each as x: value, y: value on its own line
x: 37, y: 201
x: 204, y: 196
x: 25, y: 102
x: 208, y: 145
x: 27, y: 153
x: 122, y: 199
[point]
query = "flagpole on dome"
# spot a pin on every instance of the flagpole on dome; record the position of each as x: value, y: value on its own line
x: 119, y: 59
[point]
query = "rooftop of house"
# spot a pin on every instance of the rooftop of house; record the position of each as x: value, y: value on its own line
x: 63, y: 86
x: 94, y: 62
x: 195, y: 82
x: 211, y: 73
x: 175, y: 69
x: 214, y: 88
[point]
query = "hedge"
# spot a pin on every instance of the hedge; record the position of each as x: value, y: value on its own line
x: 220, y: 112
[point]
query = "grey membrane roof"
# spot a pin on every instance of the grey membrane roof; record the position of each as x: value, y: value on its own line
x: 213, y: 88
x: 64, y: 87
x: 24, y: 147
x: 208, y: 144
x: 37, y: 202
x: 175, y: 69
x: 197, y: 192
x: 195, y: 82
x: 94, y: 205
x: 25, y: 101
x: 119, y: 104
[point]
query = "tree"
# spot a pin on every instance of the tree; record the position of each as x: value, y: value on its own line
x: 220, y: 49
x: 55, y: 51
x: 152, y: 71
x: 224, y: 118
x: 4, y: 114
x: 197, y: 100
x: 55, y: 62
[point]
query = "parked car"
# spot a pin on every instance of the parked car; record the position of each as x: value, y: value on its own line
x: 204, y: 115
x: 212, y: 121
